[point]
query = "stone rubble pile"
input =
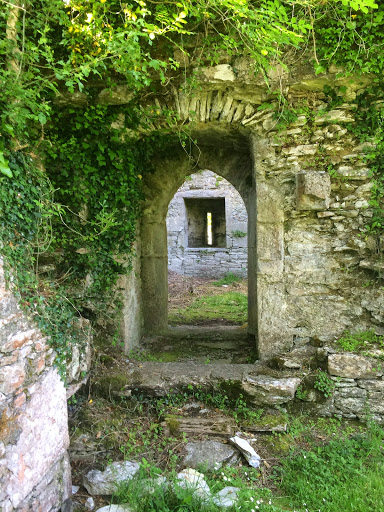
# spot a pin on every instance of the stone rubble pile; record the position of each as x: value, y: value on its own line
x: 211, y: 454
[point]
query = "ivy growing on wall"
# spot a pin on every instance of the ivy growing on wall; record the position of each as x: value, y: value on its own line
x: 70, y: 179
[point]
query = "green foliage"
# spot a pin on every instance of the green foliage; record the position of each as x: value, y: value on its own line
x: 234, y: 404
x: 351, y: 40
x: 147, y: 492
x: 230, y: 306
x: 344, y: 474
x: 301, y: 394
x: 85, y: 207
x: 360, y: 341
x: 238, y: 234
x: 324, y: 383
x: 228, y: 279
x: 369, y: 128
x: 26, y: 231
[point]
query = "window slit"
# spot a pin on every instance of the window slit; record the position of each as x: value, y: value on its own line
x: 209, y: 228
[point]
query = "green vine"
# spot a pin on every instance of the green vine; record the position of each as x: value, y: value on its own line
x: 70, y: 179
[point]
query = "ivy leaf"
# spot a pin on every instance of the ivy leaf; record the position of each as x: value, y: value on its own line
x: 4, y: 167
x: 42, y: 118
x: 6, y: 170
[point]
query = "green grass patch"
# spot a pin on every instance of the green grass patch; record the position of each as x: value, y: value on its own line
x: 360, y: 341
x: 228, y: 279
x: 231, y: 307
x: 343, y: 475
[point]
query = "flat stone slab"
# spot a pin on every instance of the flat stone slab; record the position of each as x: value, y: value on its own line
x: 160, y: 379
x: 210, y: 454
x: 354, y: 366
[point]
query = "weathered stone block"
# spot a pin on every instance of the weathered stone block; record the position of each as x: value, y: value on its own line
x: 219, y: 73
x: 211, y: 454
x: 341, y: 116
x: 350, y: 406
x: 106, y: 482
x: 302, y: 150
x: 313, y: 190
x: 12, y: 378
x: 269, y: 204
x: 270, y: 242
x: 265, y: 390
x: 353, y: 366
x: 118, y: 95
x: 372, y: 386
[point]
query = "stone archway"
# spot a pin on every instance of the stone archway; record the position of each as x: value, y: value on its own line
x: 231, y: 160
x: 239, y: 158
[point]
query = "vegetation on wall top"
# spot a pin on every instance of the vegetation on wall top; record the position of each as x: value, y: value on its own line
x: 69, y: 183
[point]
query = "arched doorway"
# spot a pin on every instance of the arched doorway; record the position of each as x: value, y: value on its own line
x: 230, y: 160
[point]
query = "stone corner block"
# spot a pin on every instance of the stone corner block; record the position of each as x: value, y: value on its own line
x: 313, y: 190
x: 266, y: 390
x: 353, y: 366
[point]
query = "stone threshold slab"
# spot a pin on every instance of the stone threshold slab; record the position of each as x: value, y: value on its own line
x: 261, y: 385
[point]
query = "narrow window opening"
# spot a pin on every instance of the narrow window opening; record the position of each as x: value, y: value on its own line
x: 209, y: 228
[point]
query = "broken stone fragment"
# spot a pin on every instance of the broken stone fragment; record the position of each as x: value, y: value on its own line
x: 341, y: 116
x: 227, y: 497
x: 219, y: 73
x: 105, y: 482
x: 265, y: 390
x: 210, y: 454
x: 195, y: 482
x: 116, y: 508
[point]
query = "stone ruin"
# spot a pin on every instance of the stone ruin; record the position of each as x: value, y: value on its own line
x: 190, y: 251
x: 309, y: 263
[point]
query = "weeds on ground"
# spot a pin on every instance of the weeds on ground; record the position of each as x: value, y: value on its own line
x: 236, y: 406
x: 230, y: 306
x: 150, y: 491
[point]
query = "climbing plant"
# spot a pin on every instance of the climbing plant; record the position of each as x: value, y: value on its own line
x: 70, y: 179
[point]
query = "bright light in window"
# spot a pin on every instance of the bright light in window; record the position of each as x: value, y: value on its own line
x: 209, y: 228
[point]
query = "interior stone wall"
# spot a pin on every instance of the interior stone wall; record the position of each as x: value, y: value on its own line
x: 204, y: 260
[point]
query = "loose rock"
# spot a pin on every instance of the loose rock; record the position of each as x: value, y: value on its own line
x: 227, y: 497
x: 105, y: 482
x: 194, y: 481
x: 210, y: 454
x: 116, y: 508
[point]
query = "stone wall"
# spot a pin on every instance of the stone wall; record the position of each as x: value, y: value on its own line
x: 311, y: 267
x: 207, y: 261
x: 359, y: 386
x: 35, y: 474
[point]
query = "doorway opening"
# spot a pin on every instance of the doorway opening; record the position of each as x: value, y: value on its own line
x: 207, y: 239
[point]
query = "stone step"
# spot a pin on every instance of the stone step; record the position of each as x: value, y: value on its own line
x: 260, y: 384
x: 216, y: 345
x: 213, y: 332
